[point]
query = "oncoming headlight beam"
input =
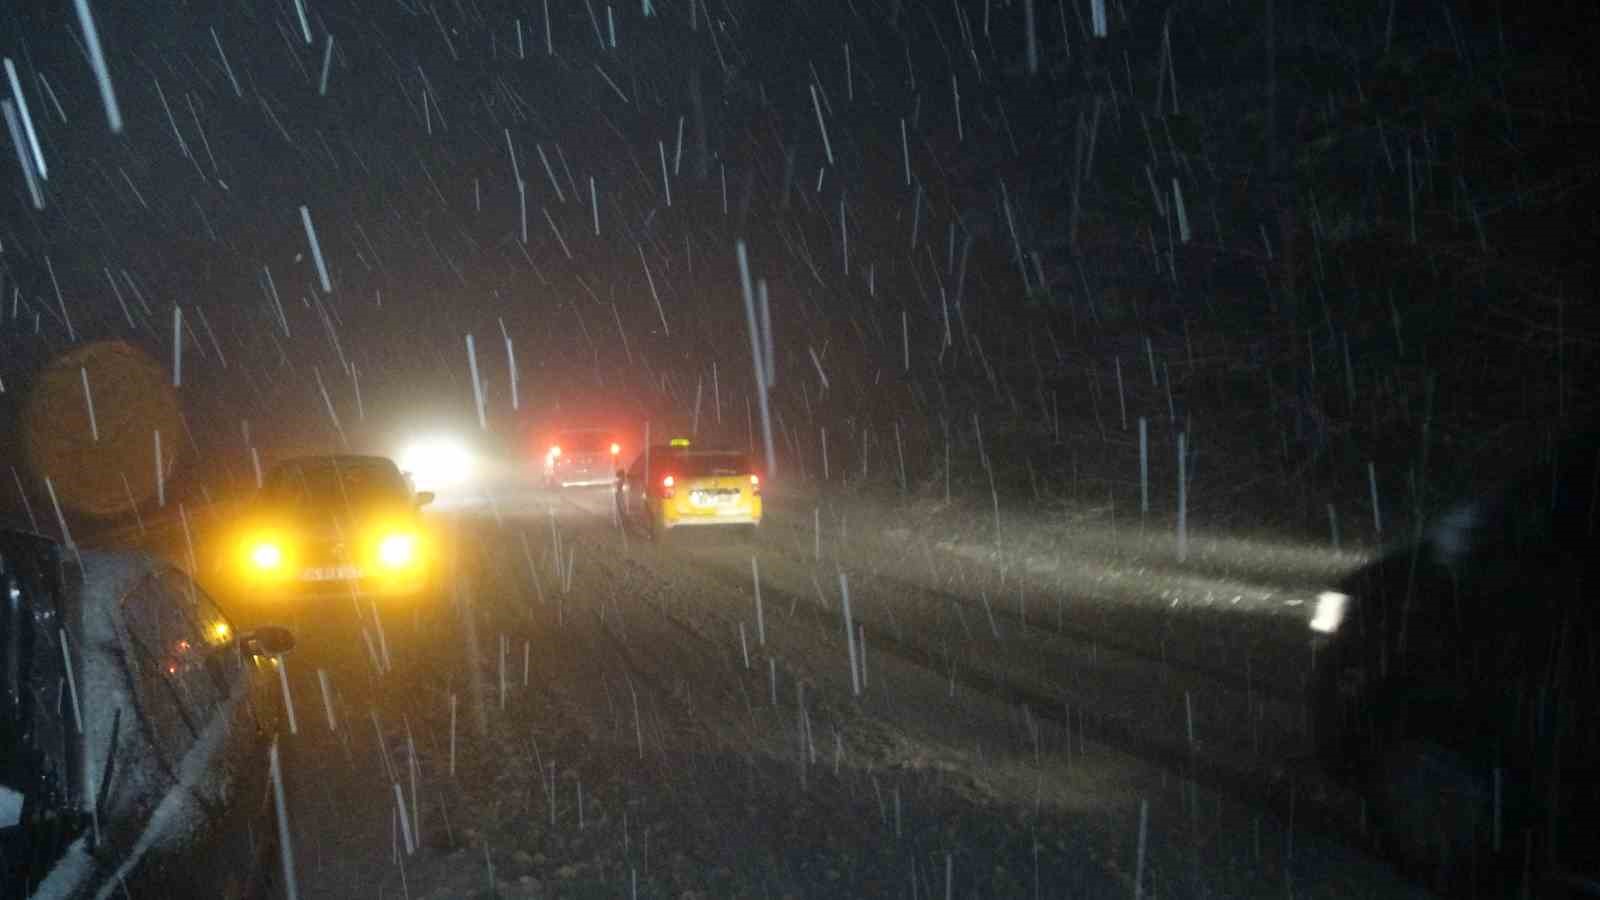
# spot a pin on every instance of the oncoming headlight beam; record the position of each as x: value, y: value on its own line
x: 437, y: 462
x: 1330, y: 611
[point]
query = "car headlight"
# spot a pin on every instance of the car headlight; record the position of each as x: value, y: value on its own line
x: 437, y: 462
x: 397, y: 550
x: 1331, y: 606
x: 266, y: 555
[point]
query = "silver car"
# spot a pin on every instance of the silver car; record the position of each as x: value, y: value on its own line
x: 135, y: 731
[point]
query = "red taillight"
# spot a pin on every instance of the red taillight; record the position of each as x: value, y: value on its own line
x: 666, y: 487
x: 615, y: 449
x: 755, y: 484
x: 555, y: 452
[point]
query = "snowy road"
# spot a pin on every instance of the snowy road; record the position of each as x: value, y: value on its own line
x: 1085, y: 725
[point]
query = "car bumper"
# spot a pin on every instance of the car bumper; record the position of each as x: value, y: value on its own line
x: 325, y: 585
x: 720, y: 520
x: 673, y: 517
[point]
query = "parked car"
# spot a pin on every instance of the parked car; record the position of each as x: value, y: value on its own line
x: 135, y: 731
x: 329, y: 526
x: 1458, y: 685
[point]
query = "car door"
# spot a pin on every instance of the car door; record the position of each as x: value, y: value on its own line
x: 40, y: 788
x: 632, y: 484
x: 224, y: 686
x: 193, y: 702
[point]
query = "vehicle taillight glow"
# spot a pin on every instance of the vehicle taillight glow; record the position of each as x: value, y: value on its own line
x: 755, y: 484
x: 666, y: 486
x: 555, y: 452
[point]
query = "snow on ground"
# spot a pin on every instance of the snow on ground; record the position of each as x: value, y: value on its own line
x: 1012, y: 732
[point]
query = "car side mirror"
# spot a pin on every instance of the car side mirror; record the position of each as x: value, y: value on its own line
x: 268, y: 640
x: 423, y: 498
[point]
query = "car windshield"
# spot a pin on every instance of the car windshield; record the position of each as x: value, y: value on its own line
x: 584, y: 441
x: 325, y: 482
x: 711, y: 465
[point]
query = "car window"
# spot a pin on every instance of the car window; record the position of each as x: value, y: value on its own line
x: 584, y: 441
x: 706, y: 465
x: 213, y: 669
x: 658, y: 456
x: 325, y: 482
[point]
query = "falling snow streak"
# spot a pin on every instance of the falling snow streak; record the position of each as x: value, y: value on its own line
x: 755, y: 356
x: 550, y: 173
x: 511, y: 148
x: 327, y: 60
x: 54, y: 100
x: 177, y: 346
x: 88, y: 401
x: 72, y: 334
x: 826, y: 145
x: 612, y: 83
x: 23, y: 160
x: 237, y: 91
x: 666, y: 181
x: 97, y: 61
x: 557, y: 231
x: 27, y: 120
x: 477, y: 384
x: 316, y: 250
x: 648, y: 277
x: 327, y: 402
x: 305, y: 26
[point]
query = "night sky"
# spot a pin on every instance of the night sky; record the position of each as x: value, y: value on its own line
x: 796, y: 127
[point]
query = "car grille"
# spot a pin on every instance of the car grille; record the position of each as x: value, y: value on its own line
x: 326, y: 553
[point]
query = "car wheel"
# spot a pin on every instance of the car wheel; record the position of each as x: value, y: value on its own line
x: 1434, y: 810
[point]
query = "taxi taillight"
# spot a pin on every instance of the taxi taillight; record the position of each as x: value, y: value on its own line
x: 755, y: 485
x: 666, y: 487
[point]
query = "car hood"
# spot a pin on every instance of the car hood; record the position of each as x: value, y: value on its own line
x: 333, y: 522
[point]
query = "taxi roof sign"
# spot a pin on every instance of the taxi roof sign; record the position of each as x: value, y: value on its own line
x: 679, y: 442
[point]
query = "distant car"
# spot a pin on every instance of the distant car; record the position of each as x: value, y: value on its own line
x: 135, y: 731
x: 330, y: 525
x: 678, y: 486
x: 581, y: 457
x: 1458, y: 685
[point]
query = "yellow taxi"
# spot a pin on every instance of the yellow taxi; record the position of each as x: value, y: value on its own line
x: 678, y: 485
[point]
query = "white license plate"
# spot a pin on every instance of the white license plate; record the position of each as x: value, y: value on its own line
x: 702, y: 498
x: 332, y: 573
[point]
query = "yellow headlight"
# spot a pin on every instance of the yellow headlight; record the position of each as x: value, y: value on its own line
x: 266, y: 555
x: 397, y: 550
x: 220, y: 632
